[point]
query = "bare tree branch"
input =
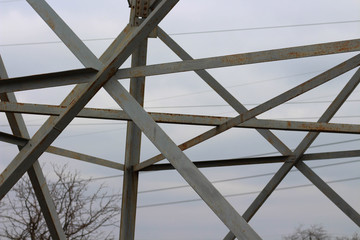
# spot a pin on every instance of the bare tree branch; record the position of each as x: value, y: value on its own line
x: 82, y: 215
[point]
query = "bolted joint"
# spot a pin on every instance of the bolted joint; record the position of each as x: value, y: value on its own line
x: 140, y: 9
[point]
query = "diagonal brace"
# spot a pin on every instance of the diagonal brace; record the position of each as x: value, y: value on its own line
x: 298, y: 153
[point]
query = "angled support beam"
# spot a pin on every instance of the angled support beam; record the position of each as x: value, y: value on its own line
x: 67, y: 36
x: 35, y: 173
x: 5, y: 137
x: 85, y: 158
x: 20, y: 141
x: 299, y: 151
x: 219, y: 89
x: 77, y: 100
x: 183, y: 165
x: 272, y: 103
x: 329, y: 192
x: 111, y: 114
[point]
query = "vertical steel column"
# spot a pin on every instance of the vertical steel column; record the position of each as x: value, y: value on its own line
x: 132, y: 153
x: 133, y: 141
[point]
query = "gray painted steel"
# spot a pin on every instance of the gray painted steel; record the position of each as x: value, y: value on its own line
x: 35, y: 173
x: 81, y: 95
x: 274, y: 102
x: 104, y: 72
x: 183, y: 165
x: 111, y: 114
x: 132, y: 152
x: 296, y: 157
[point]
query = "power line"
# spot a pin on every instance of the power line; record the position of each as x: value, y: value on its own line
x: 234, y: 86
x: 192, y: 33
x: 246, y: 193
x: 224, y: 180
x: 249, y: 177
x: 10, y: 1
x: 315, y: 146
x: 246, y: 104
x: 264, y: 28
x: 236, y: 194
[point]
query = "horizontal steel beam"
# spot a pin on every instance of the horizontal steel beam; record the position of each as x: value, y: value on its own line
x: 111, y: 114
x: 12, y: 139
x: 242, y: 59
x: 257, y: 160
x: 264, y: 107
x: 84, y: 76
x: 47, y: 80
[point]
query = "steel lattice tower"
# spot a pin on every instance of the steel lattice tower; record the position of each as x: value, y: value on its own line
x: 104, y: 73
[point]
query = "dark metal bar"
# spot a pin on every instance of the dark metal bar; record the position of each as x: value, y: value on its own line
x: 258, y: 160
x: 47, y: 80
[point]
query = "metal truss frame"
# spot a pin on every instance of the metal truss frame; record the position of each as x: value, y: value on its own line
x: 104, y: 73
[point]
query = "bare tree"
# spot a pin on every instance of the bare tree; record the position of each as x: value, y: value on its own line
x: 83, y: 215
x: 315, y: 232
x: 355, y: 236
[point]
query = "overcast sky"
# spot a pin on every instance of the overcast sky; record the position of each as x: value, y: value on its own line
x: 28, y: 47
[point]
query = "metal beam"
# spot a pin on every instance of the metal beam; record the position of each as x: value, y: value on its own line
x: 329, y: 192
x: 35, y: 173
x: 242, y: 59
x: 179, y: 160
x: 5, y: 137
x: 274, y: 102
x: 85, y: 158
x: 67, y: 36
x: 299, y: 151
x: 111, y: 114
x: 257, y: 160
x: 39, y: 81
x: 219, y: 89
x: 132, y: 152
x: 12, y: 139
x: 77, y: 100
x: 191, y: 65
